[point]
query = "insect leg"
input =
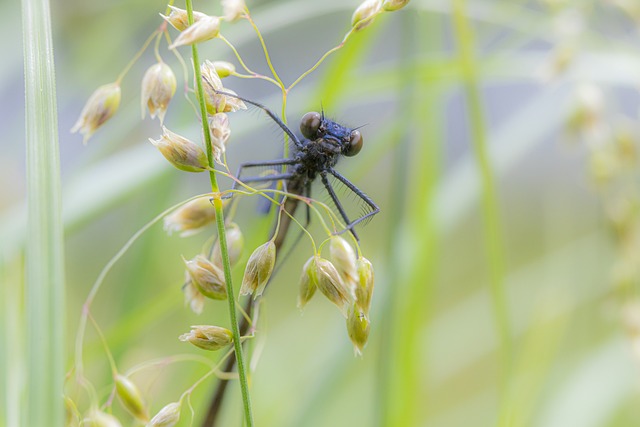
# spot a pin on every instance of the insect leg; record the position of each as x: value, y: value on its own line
x: 334, y: 197
x: 374, y: 208
x: 247, y: 165
x: 275, y: 118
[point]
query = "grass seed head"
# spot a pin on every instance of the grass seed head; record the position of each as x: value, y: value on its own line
x: 101, y: 419
x: 393, y: 5
x: 203, y: 29
x: 158, y: 87
x: 343, y: 258
x: 358, y: 327
x: 330, y: 283
x: 167, y: 416
x: 233, y: 9
x: 307, y: 287
x: 100, y: 107
x: 178, y: 18
x: 233, y: 104
x: 220, y: 131
x: 224, y: 68
x: 208, y: 337
x: 131, y: 398
x: 364, y: 284
x: 259, y: 269
x: 211, y: 84
x: 72, y: 415
x: 190, y: 218
x: 181, y: 153
x: 192, y: 295
x: 363, y: 15
x: 208, y: 278
x: 235, y: 245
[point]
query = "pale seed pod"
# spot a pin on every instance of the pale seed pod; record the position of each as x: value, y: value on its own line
x: 219, y: 128
x: 181, y: 153
x: 72, y: 415
x: 224, y: 68
x: 167, y: 416
x: 207, y: 277
x: 178, y: 18
x: 358, y: 326
x: 190, y: 218
x: 364, y: 284
x: 211, y: 84
x: 131, y: 398
x: 102, y: 104
x: 259, y: 269
x: 363, y: 15
x: 343, y: 258
x: 158, y: 87
x: 232, y: 104
x: 192, y: 295
x: 220, y: 131
x: 393, y: 5
x: 235, y: 245
x: 307, y: 287
x: 204, y: 29
x: 232, y: 9
x: 330, y: 283
x: 208, y: 337
x: 98, y: 418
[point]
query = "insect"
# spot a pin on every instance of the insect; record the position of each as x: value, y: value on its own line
x: 324, y: 143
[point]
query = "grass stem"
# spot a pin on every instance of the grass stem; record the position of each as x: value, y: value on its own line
x: 217, y: 203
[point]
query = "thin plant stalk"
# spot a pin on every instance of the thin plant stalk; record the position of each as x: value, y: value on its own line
x: 217, y: 203
x: 44, y: 273
x: 491, y: 213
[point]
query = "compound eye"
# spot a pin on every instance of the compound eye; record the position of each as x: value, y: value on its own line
x: 309, y: 124
x: 355, y: 144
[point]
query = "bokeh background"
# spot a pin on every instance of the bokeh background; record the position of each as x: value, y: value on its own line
x: 501, y: 145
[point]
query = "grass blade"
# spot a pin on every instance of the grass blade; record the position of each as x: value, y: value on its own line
x: 44, y: 248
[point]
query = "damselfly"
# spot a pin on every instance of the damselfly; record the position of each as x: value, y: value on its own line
x: 316, y: 154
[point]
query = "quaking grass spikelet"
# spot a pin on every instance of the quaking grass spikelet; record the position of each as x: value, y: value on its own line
x: 100, y: 107
x: 158, y: 87
x: 99, y: 418
x: 178, y: 18
x: 168, y: 416
x: 131, y: 398
x: 190, y: 218
x: 208, y: 337
x: 358, y: 327
x: 326, y: 277
x: 235, y: 245
x: 208, y: 278
x: 259, y: 269
x: 203, y: 29
x: 180, y: 152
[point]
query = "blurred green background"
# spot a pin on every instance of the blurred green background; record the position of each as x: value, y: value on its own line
x: 501, y: 145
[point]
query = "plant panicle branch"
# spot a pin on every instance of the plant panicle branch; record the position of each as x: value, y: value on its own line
x: 217, y: 202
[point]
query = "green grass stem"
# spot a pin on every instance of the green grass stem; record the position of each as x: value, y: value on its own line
x: 44, y: 273
x: 217, y: 202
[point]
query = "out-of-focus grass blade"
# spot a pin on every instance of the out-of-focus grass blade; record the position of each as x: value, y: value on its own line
x: 44, y: 248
